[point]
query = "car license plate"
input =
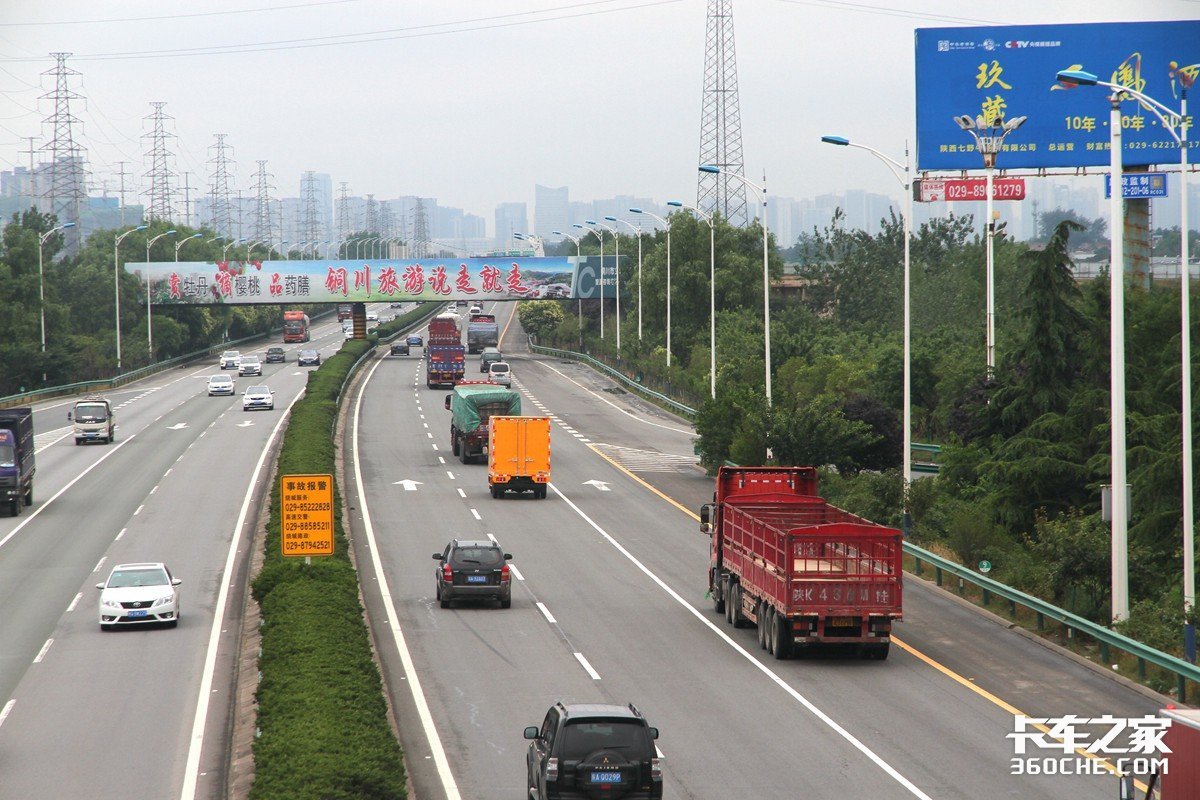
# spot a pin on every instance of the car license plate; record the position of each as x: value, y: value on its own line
x: 606, y: 777
x: 477, y: 579
x: 138, y: 613
x: 841, y: 622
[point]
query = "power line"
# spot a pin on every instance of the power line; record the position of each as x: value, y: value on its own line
x: 174, y: 16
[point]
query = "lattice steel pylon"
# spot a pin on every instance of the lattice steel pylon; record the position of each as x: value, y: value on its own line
x: 311, y: 230
x: 220, y: 207
x: 65, y: 186
x: 161, y: 205
x: 420, y: 237
x: 721, y: 120
x: 344, y: 227
x: 262, y: 205
x: 387, y: 220
x: 372, y: 220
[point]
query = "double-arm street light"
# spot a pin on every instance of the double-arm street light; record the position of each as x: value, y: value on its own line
x: 178, y: 245
x: 712, y: 290
x: 989, y: 136
x: 1177, y: 125
x: 617, y: 270
x: 579, y: 300
x: 250, y: 247
x: 42, y: 280
x: 117, y: 283
x: 902, y: 174
x: 599, y: 235
x: 715, y: 170
x: 149, y: 307
x: 666, y: 223
x: 637, y: 231
x: 284, y: 250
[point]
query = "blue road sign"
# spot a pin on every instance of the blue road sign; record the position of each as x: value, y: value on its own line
x: 1010, y: 71
x: 1139, y: 185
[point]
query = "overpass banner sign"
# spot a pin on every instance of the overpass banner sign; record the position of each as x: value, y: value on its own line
x: 1010, y: 71
x: 346, y: 281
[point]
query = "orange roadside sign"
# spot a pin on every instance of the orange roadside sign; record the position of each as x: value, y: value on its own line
x: 307, y: 515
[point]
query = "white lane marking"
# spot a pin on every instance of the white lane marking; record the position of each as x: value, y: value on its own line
x: 449, y: 787
x: 155, y: 489
x: 586, y: 441
x: 491, y: 536
x: 139, y: 509
x: 475, y: 514
x: 583, y: 662
x: 780, y: 682
x: 516, y: 572
x: 68, y: 430
x: 430, y: 435
x: 440, y: 459
x: 422, y: 416
x: 168, y: 472
x: 462, y: 494
x: 435, y: 447
x: 8, y: 707
x: 660, y: 752
x: 191, y: 772
x: 450, y: 474
x: 546, y: 613
x: 608, y: 402
x: 120, y: 533
x: 74, y: 602
x: 99, y: 564
x: 42, y: 653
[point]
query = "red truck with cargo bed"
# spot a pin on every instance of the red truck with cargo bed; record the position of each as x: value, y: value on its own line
x: 807, y: 573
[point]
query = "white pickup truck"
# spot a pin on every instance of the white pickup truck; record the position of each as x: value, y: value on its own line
x: 93, y: 420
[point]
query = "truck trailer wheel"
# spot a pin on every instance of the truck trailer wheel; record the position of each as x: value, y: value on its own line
x: 726, y: 588
x: 718, y: 598
x: 781, y: 632
x: 878, y: 652
x: 454, y: 442
x: 735, y: 612
x: 29, y: 496
x: 761, y: 613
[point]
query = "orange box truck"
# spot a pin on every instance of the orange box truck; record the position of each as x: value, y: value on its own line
x: 518, y: 455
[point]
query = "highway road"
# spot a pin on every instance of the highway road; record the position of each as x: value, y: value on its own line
x: 133, y: 713
x: 609, y: 606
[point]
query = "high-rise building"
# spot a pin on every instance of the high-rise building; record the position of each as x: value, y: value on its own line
x: 510, y: 218
x: 551, y: 210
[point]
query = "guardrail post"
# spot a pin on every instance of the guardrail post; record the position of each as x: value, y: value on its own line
x: 1182, y: 688
x: 918, y: 566
x: 1012, y: 607
x: 962, y: 588
x: 1041, y: 621
x: 1104, y: 652
x: 938, y: 572
x: 987, y: 596
x: 1141, y: 668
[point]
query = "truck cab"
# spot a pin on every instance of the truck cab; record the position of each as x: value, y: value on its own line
x: 93, y: 420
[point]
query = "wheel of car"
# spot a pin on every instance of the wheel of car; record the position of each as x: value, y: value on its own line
x: 783, y: 637
x: 105, y: 628
x: 444, y: 602
x: 506, y: 602
x: 78, y: 442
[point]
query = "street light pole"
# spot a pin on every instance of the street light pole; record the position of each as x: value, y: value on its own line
x: 902, y: 173
x: 149, y: 308
x: 616, y: 270
x: 225, y: 249
x: 117, y: 285
x: 578, y: 300
x: 666, y: 223
x: 712, y: 169
x: 42, y: 280
x: 637, y: 232
x: 599, y: 235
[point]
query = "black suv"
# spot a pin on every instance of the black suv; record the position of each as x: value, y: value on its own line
x: 586, y: 750
x: 473, y: 569
x: 275, y: 355
x: 399, y: 348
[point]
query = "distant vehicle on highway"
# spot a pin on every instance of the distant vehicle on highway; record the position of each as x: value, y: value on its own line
x: 372, y: 316
x: 473, y: 570
x: 499, y: 373
x: 275, y: 355
x: 489, y: 356
x: 93, y: 420
x: 220, y: 385
x: 593, y: 750
x: 415, y: 341
x: 249, y: 365
x: 396, y: 305
x: 16, y: 458
x: 258, y: 397
x: 308, y: 358
x: 475, y: 309
x: 230, y: 359
x: 139, y: 594
x: 399, y: 348
x: 296, y: 326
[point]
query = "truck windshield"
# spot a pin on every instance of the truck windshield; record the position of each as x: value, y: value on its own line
x: 581, y: 739
x: 91, y: 412
x: 8, y: 455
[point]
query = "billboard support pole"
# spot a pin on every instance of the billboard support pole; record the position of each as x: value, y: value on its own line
x: 1116, y: 273
x: 991, y: 272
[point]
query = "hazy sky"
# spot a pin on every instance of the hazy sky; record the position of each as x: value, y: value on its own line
x: 475, y: 101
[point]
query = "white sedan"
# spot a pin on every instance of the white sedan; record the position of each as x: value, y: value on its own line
x: 258, y: 397
x: 137, y: 594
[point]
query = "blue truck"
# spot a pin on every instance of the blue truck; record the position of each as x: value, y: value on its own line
x: 16, y: 458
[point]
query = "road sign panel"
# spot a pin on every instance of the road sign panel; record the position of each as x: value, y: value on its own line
x: 307, y: 515
x: 1135, y: 185
x: 967, y: 189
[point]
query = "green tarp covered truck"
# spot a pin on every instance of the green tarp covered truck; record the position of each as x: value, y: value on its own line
x: 470, y: 406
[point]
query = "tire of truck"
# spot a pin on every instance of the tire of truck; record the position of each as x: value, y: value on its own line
x: 463, y: 457
x: 541, y: 493
x: 78, y: 442
x: 782, y: 634
x: 726, y: 588
x: 454, y: 442
x: 736, y: 617
x: 769, y: 633
x: 761, y: 613
x: 718, y: 598
x: 878, y: 652
x: 495, y: 492
x: 29, y: 496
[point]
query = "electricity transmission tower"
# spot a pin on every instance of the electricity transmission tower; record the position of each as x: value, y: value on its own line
x: 160, y: 175
x: 420, y: 237
x: 262, y: 205
x: 310, y: 221
x: 65, y: 186
x: 343, y: 212
x: 721, y: 120
x: 219, y: 204
x: 372, y: 215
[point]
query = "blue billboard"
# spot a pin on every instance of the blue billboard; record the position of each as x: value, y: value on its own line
x: 1010, y: 72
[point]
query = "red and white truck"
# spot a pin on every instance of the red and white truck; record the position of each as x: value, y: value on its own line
x: 807, y: 573
x: 295, y: 326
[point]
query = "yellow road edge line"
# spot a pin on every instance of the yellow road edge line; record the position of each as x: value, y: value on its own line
x: 511, y: 315
x: 942, y: 668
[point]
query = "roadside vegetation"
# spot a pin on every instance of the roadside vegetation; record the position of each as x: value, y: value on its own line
x: 1024, y: 452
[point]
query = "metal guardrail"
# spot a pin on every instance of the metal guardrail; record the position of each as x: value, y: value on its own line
x: 605, y: 368
x: 1107, y: 638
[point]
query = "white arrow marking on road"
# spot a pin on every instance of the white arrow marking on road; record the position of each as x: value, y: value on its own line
x: 178, y: 426
x: 245, y: 424
x: 601, y: 485
x: 409, y: 485
x: 297, y: 373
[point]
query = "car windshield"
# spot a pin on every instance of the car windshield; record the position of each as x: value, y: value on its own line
x: 230, y: 354
x: 274, y: 351
x: 484, y: 556
x: 250, y: 360
x: 91, y: 412
x: 581, y: 739
x: 8, y: 455
x: 308, y: 353
x: 122, y: 578
x: 258, y: 390
x: 220, y: 379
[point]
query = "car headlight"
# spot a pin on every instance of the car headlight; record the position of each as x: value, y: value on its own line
x: 109, y: 602
x: 162, y: 601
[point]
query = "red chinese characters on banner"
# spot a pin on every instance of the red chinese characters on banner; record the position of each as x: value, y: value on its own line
x: 463, y: 281
x: 335, y: 281
x: 223, y: 284
x: 414, y: 279
x: 514, y: 280
x: 173, y: 285
x: 491, y: 278
x: 276, y: 287
x: 387, y: 282
x: 362, y: 278
x: 438, y: 280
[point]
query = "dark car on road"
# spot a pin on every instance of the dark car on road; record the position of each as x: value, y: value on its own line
x: 308, y: 358
x: 470, y: 569
x: 585, y: 750
x: 415, y: 341
x: 399, y: 348
x: 275, y: 355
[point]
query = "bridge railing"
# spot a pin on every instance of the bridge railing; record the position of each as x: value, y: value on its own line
x: 1106, y: 638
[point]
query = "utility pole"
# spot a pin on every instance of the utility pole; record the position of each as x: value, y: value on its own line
x: 67, y: 188
x: 187, y: 200
x: 161, y: 207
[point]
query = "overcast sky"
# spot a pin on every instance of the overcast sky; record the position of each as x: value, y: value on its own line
x: 475, y: 101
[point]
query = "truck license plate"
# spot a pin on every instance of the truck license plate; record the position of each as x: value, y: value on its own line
x: 840, y: 622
